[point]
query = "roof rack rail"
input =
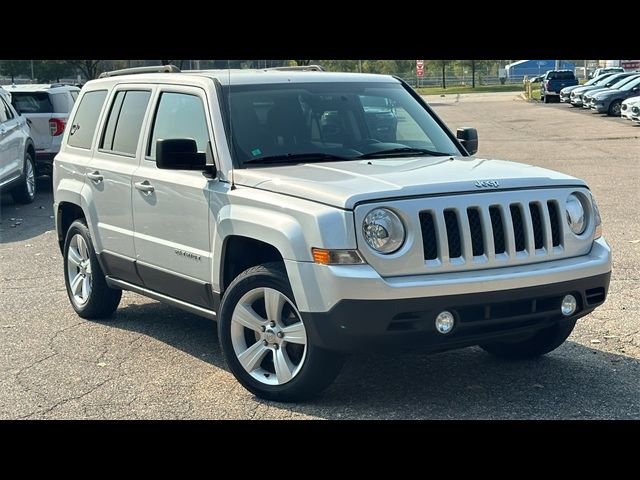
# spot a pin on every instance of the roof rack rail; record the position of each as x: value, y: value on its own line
x: 303, y: 68
x: 132, y: 71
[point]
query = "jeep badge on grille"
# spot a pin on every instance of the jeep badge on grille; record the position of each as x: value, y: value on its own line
x: 487, y: 184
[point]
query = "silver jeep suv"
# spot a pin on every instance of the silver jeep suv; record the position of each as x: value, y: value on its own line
x: 275, y: 203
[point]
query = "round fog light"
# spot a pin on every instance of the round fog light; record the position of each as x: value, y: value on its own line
x: 569, y: 305
x: 444, y: 322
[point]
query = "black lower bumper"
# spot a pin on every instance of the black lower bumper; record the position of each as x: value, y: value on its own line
x: 392, y: 325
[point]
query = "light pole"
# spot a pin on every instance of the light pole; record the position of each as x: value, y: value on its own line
x: 32, y: 79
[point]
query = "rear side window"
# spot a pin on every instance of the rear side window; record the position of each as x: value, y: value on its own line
x: 86, y: 118
x: 32, y: 102
x: 62, y: 102
x: 5, y: 112
x: 125, y: 121
x: 74, y: 95
x: 179, y: 115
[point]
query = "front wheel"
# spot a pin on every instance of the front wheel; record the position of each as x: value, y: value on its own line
x: 615, y: 108
x: 542, y: 342
x: 265, y: 342
x: 545, y: 98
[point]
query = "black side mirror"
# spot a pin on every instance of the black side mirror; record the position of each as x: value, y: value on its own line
x: 179, y: 154
x: 468, y: 138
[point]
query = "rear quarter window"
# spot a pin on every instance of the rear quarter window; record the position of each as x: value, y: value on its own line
x: 85, y: 120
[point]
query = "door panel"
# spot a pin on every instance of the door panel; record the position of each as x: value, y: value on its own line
x: 171, y: 221
x: 110, y: 171
x: 12, y: 143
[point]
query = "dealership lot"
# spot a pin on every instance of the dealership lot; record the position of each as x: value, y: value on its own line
x: 153, y: 361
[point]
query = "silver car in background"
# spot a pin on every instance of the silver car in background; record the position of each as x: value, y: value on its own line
x: 17, y: 153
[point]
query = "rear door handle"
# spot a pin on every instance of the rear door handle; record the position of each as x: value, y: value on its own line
x: 95, y: 176
x: 144, y: 187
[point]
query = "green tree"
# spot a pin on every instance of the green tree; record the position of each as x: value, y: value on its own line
x: 89, y: 68
x: 13, y: 68
x: 52, y: 70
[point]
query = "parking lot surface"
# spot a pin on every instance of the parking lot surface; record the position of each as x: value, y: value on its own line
x: 154, y: 361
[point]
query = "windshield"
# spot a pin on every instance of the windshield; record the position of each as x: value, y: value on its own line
x: 296, y: 122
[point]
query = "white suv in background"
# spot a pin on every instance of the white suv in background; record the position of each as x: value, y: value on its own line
x: 46, y: 108
x: 17, y: 153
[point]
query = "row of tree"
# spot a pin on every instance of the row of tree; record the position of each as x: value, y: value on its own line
x: 53, y: 70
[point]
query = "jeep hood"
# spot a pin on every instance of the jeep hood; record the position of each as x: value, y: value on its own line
x: 344, y: 184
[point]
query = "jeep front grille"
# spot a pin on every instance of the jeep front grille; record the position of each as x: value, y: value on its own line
x: 473, y: 234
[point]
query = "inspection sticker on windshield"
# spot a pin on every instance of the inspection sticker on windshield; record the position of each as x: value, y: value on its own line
x: 256, y: 151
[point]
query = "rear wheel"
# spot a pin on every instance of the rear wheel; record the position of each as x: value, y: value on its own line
x: 26, y: 191
x: 545, y: 98
x: 87, y: 288
x: 265, y: 341
x: 540, y: 343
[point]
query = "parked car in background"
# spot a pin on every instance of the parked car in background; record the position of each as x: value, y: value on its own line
x: 587, y: 99
x: 554, y: 81
x: 610, y: 101
x: 627, y: 105
x: 601, y: 71
x: 17, y: 153
x: 635, y: 113
x: 46, y: 108
x: 577, y: 94
x: 565, y: 93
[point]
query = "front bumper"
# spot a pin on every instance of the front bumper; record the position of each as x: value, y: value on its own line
x: 396, y: 325
x: 356, y: 303
x: 600, y: 107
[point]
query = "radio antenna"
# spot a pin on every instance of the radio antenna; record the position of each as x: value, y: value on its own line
x: 231, y: 147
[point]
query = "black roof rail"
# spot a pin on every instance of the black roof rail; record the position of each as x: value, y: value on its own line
x: 133, y: 71
x: 302, y: 68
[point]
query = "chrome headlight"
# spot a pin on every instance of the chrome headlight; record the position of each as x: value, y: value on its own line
x: 383, y: 230
x: 575, y: 213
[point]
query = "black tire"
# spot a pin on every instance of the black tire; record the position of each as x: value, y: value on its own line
x: 615, y: 108
x: 319, y: 368
x: 545, y: 98
x: 540, y: 343
x: 22, y: 193
x: 102, y: 300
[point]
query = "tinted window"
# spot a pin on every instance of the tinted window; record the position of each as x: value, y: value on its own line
x: 125, y: 121
x: 329, y: 118
x: 31, y: 102
x: 86, y: 118
x: 179, y: 115
x: 561, y: 76
x: 5, y: 111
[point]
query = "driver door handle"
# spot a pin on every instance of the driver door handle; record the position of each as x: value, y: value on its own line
x: 144, y: 187
x: 95, y: 176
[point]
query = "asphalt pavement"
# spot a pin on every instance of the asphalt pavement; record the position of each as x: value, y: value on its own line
x: 154, y: 361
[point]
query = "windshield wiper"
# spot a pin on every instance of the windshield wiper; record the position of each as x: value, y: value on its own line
x: 403, y: 151
x: 298, y: 157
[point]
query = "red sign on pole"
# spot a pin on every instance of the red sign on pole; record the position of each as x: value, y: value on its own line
x: 630, y: 64
x: 419, y: 68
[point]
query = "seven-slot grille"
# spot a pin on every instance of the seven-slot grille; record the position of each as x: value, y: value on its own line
x: 499, y: 231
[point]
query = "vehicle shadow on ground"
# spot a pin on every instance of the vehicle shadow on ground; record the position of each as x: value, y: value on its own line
x: 573, y: 382
x: 20, y: 222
